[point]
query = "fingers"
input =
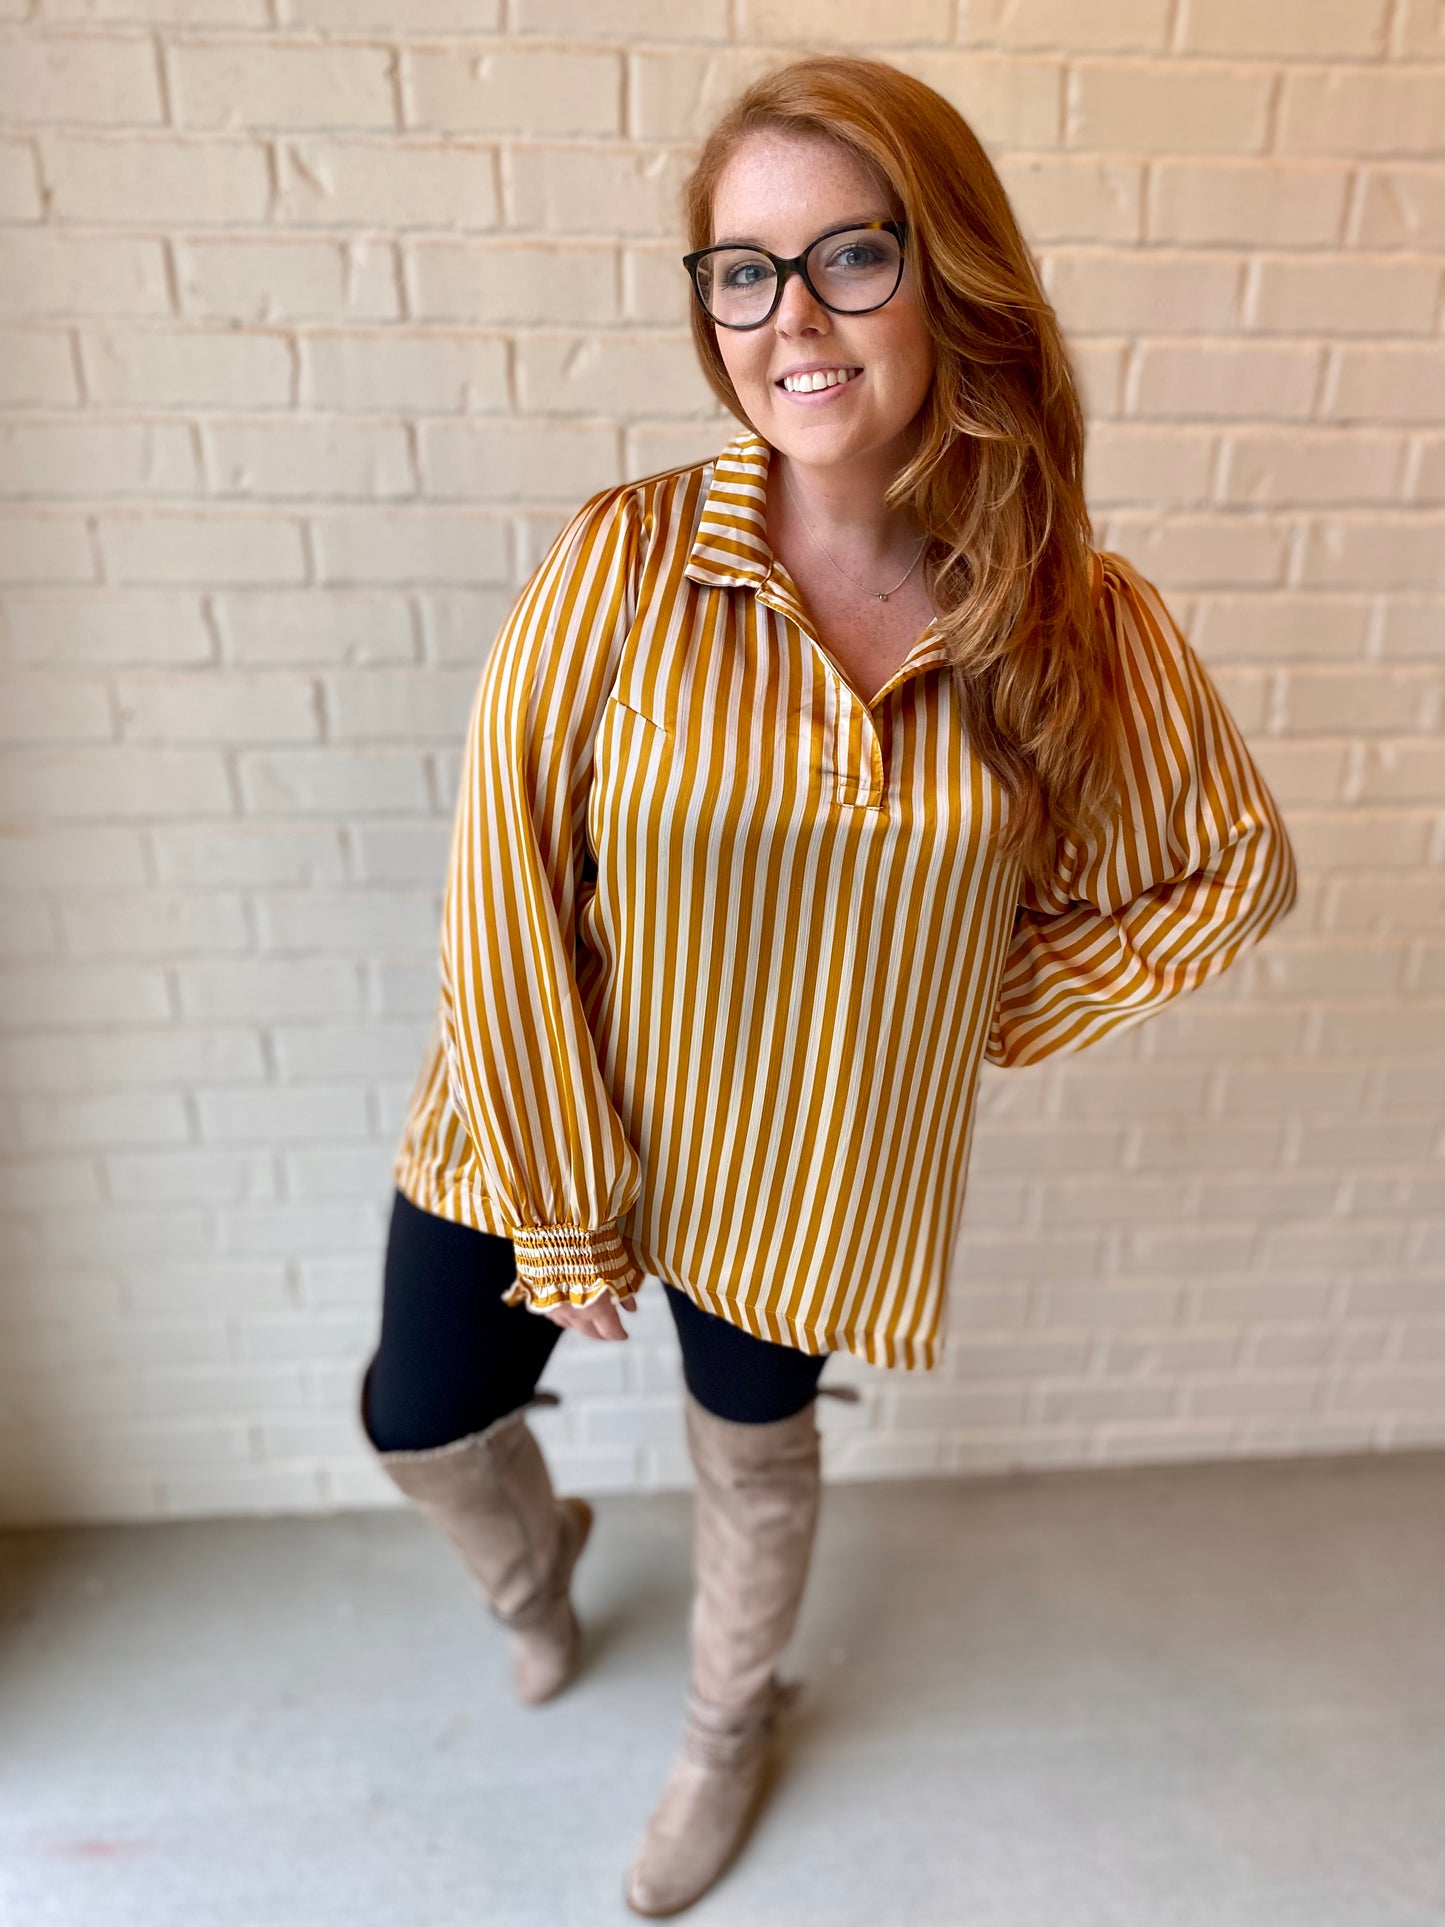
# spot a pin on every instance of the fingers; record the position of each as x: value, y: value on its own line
x: 597, y: 1320
x: 603, y: 1321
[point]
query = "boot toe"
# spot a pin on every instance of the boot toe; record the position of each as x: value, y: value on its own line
x: 545, y: 1657
x: 654, y: 1901
x: 659, y: 1885
x: 696, y: 1832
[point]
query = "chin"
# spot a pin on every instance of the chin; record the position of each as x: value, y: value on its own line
x: 813, y: 440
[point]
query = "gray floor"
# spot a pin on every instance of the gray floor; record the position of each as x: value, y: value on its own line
x: 1176, y: 1697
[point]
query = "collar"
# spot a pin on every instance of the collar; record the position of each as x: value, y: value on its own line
x: 731, y: 548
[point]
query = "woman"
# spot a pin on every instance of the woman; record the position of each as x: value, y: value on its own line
x: 799, y: 781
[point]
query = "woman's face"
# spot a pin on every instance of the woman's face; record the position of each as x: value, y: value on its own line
x: 781, y: 191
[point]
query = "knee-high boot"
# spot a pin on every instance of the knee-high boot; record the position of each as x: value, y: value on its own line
x: 491, y: 1495
x: 756, y: 1509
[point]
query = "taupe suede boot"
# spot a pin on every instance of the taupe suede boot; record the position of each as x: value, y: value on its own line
x: 491, y: 1495
x: 756, y: 1510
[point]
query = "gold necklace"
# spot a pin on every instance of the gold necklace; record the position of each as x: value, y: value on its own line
x: 880, y: 595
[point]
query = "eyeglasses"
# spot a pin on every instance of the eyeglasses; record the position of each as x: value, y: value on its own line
x: 850, y: 270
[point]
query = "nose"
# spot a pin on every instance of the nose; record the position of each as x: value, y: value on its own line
x: 798, y: 307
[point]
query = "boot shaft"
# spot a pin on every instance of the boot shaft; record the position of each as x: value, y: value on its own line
x: 755, y: 1519
x: 491, y: 1496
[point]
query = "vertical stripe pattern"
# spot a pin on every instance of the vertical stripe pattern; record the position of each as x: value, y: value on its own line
x: 1195, y: 866
x: 724, y: 943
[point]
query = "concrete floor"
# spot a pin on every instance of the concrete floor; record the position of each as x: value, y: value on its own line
x: 1208, y: 1696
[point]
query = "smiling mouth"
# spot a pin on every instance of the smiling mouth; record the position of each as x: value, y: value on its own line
x: 816, y: 387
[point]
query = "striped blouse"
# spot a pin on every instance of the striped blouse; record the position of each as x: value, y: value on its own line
x: 724, y: 944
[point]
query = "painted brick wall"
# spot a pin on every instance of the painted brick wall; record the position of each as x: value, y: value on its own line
x: 319, y: 318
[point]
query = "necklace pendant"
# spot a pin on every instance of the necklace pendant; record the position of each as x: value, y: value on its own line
x: 882, y: 595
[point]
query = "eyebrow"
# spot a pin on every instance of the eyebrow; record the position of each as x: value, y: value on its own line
x: 847, y: 220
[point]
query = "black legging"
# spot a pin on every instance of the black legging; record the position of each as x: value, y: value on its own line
x: 453, y: 1357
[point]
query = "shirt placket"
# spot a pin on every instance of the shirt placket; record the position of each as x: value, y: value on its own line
x: 852, y: 752
x: 858, y: 772
x: 855, y: 745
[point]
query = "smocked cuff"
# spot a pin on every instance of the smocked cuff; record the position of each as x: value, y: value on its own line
x: 561, y: 1264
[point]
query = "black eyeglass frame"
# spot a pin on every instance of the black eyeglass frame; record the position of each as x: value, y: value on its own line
x: 798, y: 265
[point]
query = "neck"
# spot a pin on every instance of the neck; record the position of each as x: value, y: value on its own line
x: 841, y: 506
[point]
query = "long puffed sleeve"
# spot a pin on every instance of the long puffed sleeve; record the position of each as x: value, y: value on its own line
x: 1196, y: 866
x: 522, y: 1065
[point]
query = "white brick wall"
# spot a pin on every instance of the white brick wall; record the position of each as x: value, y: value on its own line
x: 317, y: 319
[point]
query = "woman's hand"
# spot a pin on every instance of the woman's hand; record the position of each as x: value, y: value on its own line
x: 597, y: 1320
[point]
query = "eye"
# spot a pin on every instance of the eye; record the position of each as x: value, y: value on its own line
x: 733, y: 278
x: 863, y: 253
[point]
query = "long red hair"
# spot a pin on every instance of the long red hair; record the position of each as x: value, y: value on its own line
x: 997, y: 480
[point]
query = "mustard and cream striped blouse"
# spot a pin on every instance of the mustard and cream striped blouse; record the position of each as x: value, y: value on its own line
x: 724, y: 944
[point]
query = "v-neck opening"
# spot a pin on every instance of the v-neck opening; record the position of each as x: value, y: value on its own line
x: 925, y: 646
